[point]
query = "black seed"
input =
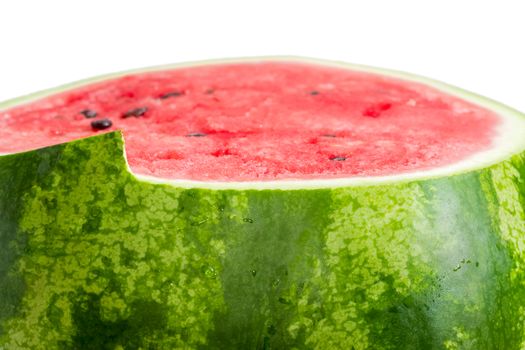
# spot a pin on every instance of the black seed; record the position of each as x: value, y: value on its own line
x: 196, y: 134
x: 338, y: 158
x: 314, y: 92
x: 209, y: 91
x: 89, y: 113
x: 248, y: 220
x: 328, y: 135
x: 136, y: 112
x: 172, y: 94
x: 101, y: 124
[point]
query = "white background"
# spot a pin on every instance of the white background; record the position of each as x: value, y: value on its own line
x: 477, y: 45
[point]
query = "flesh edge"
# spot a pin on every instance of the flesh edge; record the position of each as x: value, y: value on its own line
x: 509, y: 141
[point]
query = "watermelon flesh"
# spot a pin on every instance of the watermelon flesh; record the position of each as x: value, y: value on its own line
x: 261, y: 204
x: 262, y: 121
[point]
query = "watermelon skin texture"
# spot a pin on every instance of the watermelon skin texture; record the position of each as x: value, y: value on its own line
x: 93, y: 258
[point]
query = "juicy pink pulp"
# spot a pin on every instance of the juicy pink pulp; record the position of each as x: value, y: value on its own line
x: 261, y: 121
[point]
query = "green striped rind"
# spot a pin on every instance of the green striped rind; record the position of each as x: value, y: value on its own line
x: 92, y: 258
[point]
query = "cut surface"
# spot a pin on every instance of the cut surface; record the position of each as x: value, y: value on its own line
x: 265, y: 120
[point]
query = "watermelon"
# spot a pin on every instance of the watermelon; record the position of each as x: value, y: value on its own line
x: 271, y: 203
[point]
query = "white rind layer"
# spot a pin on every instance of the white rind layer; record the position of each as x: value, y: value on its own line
x: 509, y: 141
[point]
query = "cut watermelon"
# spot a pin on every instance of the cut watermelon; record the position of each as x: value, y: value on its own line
x: 271, y: 203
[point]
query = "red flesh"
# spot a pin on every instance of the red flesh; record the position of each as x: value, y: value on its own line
x: 263, y: 121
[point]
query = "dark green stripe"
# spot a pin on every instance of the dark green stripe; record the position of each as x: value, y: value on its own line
x: 273, y: 242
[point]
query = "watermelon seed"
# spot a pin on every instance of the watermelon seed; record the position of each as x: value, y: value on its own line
x: 171, y: 94
x: 254, y: 273
x: 101, y: 124
x: 248, y: 220
x: 136, y: 112
x: 196, y: 134
x: 89, y: 113
x: 328, y: 135
x: 209, y: 91
x: 314, y: 92
x: 338, y: 158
